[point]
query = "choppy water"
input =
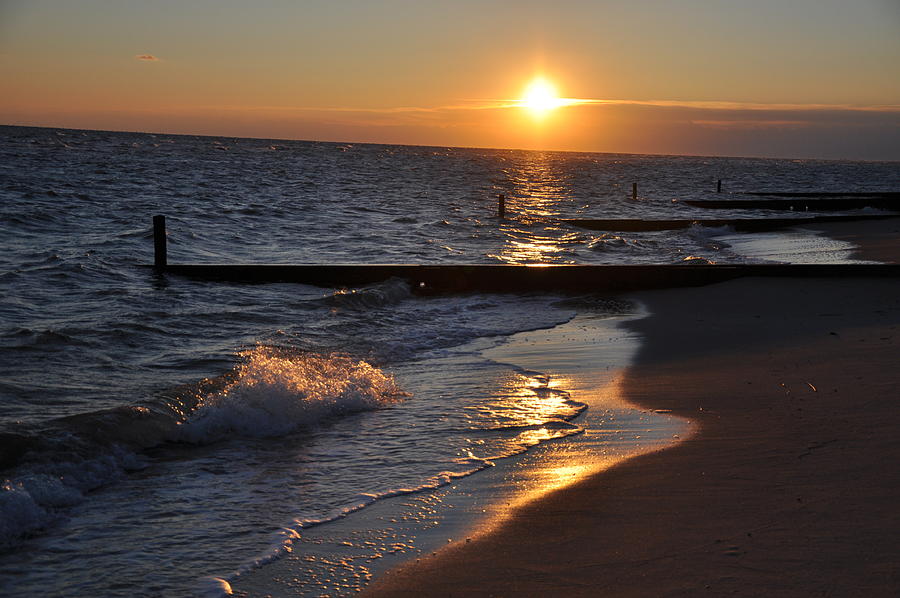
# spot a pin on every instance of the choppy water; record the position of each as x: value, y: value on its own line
x: 157, y: 431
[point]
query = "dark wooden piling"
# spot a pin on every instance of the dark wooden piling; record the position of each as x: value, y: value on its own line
x: 501, y: 206
x: 633, y: 191
x: 719, y: 186
x: 159, y: 242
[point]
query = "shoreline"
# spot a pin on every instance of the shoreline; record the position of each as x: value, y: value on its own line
x: 777, y: 493
x: 330, y: 558
x: 878, y: 241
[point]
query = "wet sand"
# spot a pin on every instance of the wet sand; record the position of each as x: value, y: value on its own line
x: 789, y: 486
x: 586, y: 357
x: 877, y: 241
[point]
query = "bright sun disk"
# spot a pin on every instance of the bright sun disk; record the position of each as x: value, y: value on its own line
x: 540, y: 96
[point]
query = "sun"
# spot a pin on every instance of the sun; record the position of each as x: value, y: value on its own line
x: 540, y: 97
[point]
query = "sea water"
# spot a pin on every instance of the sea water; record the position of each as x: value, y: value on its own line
x: 162, y: 436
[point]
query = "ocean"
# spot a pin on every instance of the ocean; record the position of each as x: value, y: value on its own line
x: 169, y: 437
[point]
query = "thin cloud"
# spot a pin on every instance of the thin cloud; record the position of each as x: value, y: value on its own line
x: 478, y: 112
x: 752, y: 124
x: 147, y: 57
x: 488, y: 104
x: 740, y: 106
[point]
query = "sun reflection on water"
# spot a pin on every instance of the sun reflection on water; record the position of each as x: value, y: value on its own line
x: 537, y: 191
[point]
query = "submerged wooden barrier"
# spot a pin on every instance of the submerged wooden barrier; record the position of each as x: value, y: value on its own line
x: 738, y: 224
x: 825, y: 194
x: 803, y: 202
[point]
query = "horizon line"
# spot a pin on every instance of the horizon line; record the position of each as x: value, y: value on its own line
x: 462, y: 147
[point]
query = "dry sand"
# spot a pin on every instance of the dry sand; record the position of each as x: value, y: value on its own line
x: 790, y: 486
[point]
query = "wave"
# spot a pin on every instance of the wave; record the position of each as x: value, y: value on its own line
x: 272, y: 392
x: 218, y: 587
x: 609, y: 241
x: 389, y: 292
x: 38, y: 495
x: 557, y: 425
x: 276, y: 393
x: 707, y: 236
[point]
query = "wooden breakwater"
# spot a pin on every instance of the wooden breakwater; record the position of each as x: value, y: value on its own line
x: 738, y: 224
x: 802, y: 202
x: 502, y: 278
x: 827, y: 194
x: 510, y: 278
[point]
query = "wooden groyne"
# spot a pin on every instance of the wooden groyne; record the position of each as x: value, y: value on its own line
x: 502, y: 278
x: 802, y: 202
x: 509, y: 278
x: 738, y: 224
x: 827, y: 194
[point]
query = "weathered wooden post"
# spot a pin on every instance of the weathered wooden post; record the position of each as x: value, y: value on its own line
x: 719, y: 186
x: 501, y: 206
x: 159, y: 242
x: 634, y: 191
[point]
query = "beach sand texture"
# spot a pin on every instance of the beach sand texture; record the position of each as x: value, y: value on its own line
x: 789, y: 487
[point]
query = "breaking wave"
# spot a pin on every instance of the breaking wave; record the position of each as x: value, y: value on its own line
x: 276, y: 393
x: 272, y: 392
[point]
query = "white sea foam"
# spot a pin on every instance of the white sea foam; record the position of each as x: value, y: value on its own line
x: 19, y: 512
x: 275, y: 393
x: 215, y: 587
x: 33, y: 499
x: 50, y: 490
x: 794, y: 246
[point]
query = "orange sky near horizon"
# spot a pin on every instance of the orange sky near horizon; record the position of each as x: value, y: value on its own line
x: 806, y: 78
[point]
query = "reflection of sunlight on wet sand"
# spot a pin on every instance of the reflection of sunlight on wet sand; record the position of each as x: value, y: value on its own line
x: 586, y: 358
x: 530, y: 407
x: 537, y: 403
x: 561, y: 465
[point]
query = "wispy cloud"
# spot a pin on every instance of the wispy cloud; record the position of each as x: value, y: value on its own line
x: 500, y: 104
x: 740, y: 106
x: 147, y: 57
x: 752, y: 124
x: 641, y: 126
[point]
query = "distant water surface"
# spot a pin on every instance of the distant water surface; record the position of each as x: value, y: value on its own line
x: 155, y: 431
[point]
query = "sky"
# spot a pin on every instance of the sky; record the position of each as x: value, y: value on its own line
x: 785, y: 78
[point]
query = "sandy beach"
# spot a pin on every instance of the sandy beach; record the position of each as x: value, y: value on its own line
x: 787, y: 488
x: 449, y: 299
